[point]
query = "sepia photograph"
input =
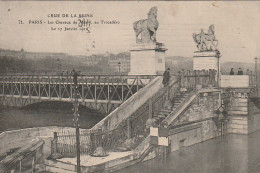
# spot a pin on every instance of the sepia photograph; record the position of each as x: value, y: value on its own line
x: 129, y: 86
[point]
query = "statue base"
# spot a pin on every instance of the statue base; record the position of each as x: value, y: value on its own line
x: 206, y: 60
x: 147, y: 59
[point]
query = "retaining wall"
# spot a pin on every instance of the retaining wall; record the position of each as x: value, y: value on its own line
x: 17, y: 138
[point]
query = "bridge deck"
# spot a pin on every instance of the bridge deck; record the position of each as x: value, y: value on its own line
x: 106, y: 91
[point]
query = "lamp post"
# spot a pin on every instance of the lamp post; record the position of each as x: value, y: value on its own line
x: 58, y: 65
x: 256, y: 77
x: 119, y: 64
x: 76, y: 117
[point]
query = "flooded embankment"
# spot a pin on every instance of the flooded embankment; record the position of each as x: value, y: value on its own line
x: 230, y: 154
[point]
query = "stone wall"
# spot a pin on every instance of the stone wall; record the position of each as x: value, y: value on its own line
x: 237, y: 124
x: 196, y: 124
x: 236, y: 100
x: 253, y: 122
x: 202, y: 107
x: 243, y: 113
x: 17, y: 138
x: 234, y: 81
x: 253, y: 107
x: 240, y: 124
x: 192, y: 134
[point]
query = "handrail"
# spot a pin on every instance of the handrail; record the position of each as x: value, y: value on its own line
x: 80, y: 75
x: 129, y: 107
x: 11, y: 160
x: 123, y: 111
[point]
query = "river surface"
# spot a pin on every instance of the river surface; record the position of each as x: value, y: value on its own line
x: 231, y: 154
x: 46, y: 114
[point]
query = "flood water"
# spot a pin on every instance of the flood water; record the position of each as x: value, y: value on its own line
x: 46, y: 114
x: 231, y: 154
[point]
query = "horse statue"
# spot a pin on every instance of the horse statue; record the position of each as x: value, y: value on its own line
x: 206, y: 42
x: 147, y: 27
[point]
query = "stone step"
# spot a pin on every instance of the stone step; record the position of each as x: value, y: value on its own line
x: 176, y: 105
x: 161, y: 116
x: 58, y: 170
x: 182, y: 97
x: 166, y: 110
x: 156, y: 117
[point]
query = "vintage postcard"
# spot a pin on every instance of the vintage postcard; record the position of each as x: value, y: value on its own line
x: 134, y: 86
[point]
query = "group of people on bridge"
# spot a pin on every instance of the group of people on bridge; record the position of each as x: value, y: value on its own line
x: 191, y: 78
x: 240, y: 72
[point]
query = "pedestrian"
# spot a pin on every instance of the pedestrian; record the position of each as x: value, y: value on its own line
x: 192, y: 79
x: 195, y: 78
x: 75, y: 77
x: 247, y: 72
x: 207, y: 78
x: 240, y: 71
x: 215, y: 77
x: 182, y: 78
x: 211, y: 77
x: 203, y: 78
x: 198, y: 74
x: 179, y: 78
x: 232, y: 71
x: 188, y: 74
x: 166, y: 77
x: 251, y: 78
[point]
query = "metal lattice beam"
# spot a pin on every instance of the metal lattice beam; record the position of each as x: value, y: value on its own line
x: 103, y: 93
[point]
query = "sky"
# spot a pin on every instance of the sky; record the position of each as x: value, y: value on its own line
x: 237, y: 26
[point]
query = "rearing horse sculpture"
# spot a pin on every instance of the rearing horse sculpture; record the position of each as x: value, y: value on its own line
x: 147, y: 27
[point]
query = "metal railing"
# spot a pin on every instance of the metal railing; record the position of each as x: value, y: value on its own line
x: 65, y: 142
x: 126, y: 135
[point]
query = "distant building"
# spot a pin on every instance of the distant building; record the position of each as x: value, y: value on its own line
x: 121, y: 60
x: 22, y: 55
x: 9, y: 53
x: 93, y: 60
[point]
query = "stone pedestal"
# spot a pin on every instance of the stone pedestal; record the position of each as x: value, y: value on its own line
x: 206, y: 60
x: 147, y: 59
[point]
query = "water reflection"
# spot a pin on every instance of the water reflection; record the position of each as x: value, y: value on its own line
x: 46, y: 114
x: 231, y: 154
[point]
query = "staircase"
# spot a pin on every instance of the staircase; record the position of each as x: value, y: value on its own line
x: 175, y: 102
x: 180, y: 103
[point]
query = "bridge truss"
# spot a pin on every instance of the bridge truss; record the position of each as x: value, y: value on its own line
x: 100, y: 92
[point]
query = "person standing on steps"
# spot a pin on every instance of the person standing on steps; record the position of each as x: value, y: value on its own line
x: 188, y: 78
x: 166, y: 80
x: 166, y: 77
